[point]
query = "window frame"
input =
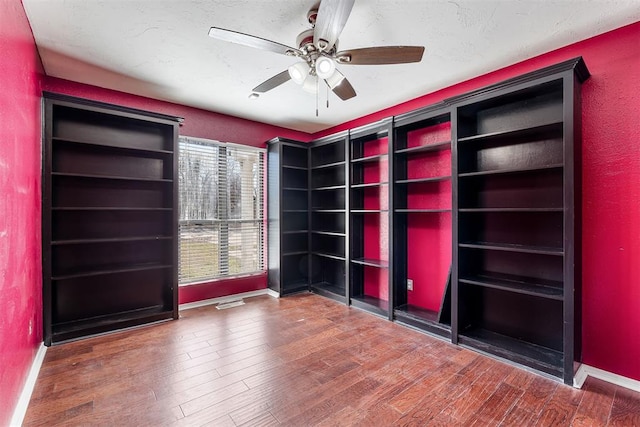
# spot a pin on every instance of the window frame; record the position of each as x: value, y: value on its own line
x: 223, y: 208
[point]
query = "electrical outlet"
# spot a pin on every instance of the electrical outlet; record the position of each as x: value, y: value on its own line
x: 409, y: 284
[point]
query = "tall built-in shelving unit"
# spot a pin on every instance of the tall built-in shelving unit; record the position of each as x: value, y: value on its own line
x: 329, y: 203
x: 288, y: 216
x: 517, y: 219
x: 422, y: 219
x: 109, y: 218
x: 461, y: 219
x: 370, y: 217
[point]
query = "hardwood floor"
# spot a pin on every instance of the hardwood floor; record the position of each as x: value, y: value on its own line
x: 300, y: 361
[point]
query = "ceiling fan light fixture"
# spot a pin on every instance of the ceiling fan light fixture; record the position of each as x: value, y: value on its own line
x: 325, y: 67
x: 334, y: 80
x: 299, y: 72
x: 310, y: 84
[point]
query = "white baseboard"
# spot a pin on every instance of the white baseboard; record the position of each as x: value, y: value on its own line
x: 589, y: 371
x: 272, y: 293
x: 23, y: 402
x: 224, y: 299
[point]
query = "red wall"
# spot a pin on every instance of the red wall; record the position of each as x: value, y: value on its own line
x: 611, y: 188
x: 20, y: 254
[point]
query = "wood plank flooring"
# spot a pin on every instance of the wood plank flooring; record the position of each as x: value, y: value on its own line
x: 301, y: 361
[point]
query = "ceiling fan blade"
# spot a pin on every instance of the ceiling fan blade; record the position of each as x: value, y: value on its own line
x: 251, y: 41
x: 332, y: 16
x: 273, y: 82
x: 381, y: 55
x: 339, y: 84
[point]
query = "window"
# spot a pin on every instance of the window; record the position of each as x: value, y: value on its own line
x: 221, y: 210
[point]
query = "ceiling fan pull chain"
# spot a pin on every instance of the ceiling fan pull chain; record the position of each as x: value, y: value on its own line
x: 317, y: 95
x: 327, y: 96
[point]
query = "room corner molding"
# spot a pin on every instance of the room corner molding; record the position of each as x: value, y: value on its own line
x: 589, y: 371
x: 23, y: 402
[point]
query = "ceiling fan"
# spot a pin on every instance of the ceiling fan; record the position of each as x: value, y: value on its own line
x: 318, y: 49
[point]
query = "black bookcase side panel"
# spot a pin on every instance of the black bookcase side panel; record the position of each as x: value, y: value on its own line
x: 273, y: 216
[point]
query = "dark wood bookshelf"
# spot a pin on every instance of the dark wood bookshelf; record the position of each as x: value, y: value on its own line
x: 288, y: 215
x: 109, y: 218
x: 329, y: 229
x: 517, y: 219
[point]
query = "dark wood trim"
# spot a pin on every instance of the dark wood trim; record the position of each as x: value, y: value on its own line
x: 99, y: 106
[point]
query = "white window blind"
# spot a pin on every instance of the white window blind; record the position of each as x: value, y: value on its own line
x: 221, y: 210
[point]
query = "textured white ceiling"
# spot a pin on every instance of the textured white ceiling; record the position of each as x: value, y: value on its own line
x: 160, y: 48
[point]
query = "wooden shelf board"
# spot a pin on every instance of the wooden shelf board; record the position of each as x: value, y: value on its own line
x: 545, y: 168
x: 108, y: 209
x: 523, y: 285
x: 329, y: 165
x: 369, y: 262
x: 540, y: 250
x: 327, y: 210
x: 329, y: 233
x: 295, y: 231
x: 371, y: 304
x: 423, y: 180
x: 294, y: 167
x: 425, y: 320
x: 328, y: 187
x: 64, y: 331
x: 480, y: 210
x: 292, y: 253
x: 109, y: 240
x: 544, y: 129
x: 108, y: 177
x: 417, y: 313
x: 369, y: 184
x: 328, y: 255
x: 422, y: 210
x: 529, y: 354
x: 112, y: 147
x: 444, y: 145
x: 367, y: 159
x: 295, y: 189
x: 115, y: 269
x: 366, y: 211
x: 294, y: 210
x: 332, y: 288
